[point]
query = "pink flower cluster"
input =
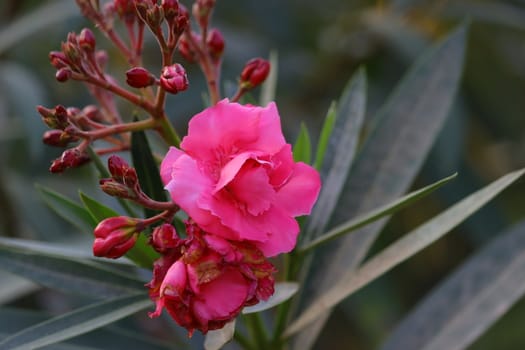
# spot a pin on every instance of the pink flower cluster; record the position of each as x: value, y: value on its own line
x: 236, y: 179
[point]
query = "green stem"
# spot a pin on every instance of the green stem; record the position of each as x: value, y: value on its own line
x: 167, y: 131
x: 243, y: 341
x: 257, y: 330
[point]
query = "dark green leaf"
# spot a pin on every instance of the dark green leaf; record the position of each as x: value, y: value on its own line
x: 141, y: 253
x: 302, y: 149
x: 77, y: 322
x: 71, y: 211
x: 147, y: 169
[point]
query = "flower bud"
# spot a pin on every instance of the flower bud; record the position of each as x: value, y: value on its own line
x: 116, y: 189
x: 122, y: 172
x: 254, y: 73
x: 215, y: 43
x: 55, y: 118
x: 58, y: 138
x: 86, y: 40
x: 63, y: 74
x: 92, y: 113
x: 71, y: 158
x: 185, y: 48
x: 171, y: 9
x: 115, y: 236
x: 139, y: 77
x: 164, y: 237
x: 202, y: 10
x: 173, y: 78
x: 102, y: 58
x: 58, y: 59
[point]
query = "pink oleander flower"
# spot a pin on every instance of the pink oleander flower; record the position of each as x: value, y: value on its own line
x: 115, y: 236
x: 235, y: 177
x: 205, y: 281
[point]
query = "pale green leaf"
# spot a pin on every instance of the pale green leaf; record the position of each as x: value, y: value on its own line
x: 469, y: 301
x: 302, y: 149
x: 376, y: 214
x: 401, y: 250
x: 216, y: 339
x: 283, y: 292
x: 77, y: 322
x: 390, y: 158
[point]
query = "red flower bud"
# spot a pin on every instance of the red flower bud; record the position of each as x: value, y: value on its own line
x: 63, y: 74
x: 122, y: 172
x: 86, y: 40
x: 186, y: 50
x: 171, y: 9
x: 115, y: 236
x: 71, y: 158
x: 173, y: 78
x: 215, y: 43
x: 55, y: 118
x: 139, y: 77
x: 58, y: 138
x: 201, y: 11
x: 254, y: 73
x: 164, y: 237
x: 58, y: 59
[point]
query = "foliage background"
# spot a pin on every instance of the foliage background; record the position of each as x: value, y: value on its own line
x: 320, y: 45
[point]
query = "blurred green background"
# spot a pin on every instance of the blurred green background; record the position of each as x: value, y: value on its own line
x: 319, y: 45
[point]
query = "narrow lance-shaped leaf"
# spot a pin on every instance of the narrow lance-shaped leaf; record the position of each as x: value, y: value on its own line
x: 376, y: 214
x: 302, y: 149
x: 324, y: 137
x: 283, y: 292
x: 341, y: 150
x: 77, y: 322
x: 71, y: 211
x: 147, y: 169
x: 469, y: 301
x: 216, y: 339
x: 402, y: 249
x: 391, y: 156
x: 142, y: 253
x: 270, y: 85
x: 65, y: 273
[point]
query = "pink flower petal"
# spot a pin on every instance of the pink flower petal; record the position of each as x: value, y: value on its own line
x: 283, y: 231
x: 166, y: 167
x: 222, y: 297
x: 300, y: 192
x: 174, y: 282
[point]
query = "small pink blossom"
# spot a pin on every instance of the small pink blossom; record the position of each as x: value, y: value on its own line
x: 235, y: 177
x: 115, y: 236
x: 206, y: 281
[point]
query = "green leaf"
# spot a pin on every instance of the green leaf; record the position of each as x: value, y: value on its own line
x: 324, y: 137
x: 13, y: 287
x: 77, y: 322
x: 469, y: 301
x: 97, y: 210
x: 147, y: 169
x: 390, y: 158
x: 66, y: 273
x: 69, y: 210
x: 269, y: 87
x: 401, y: 250
x: 283, y: 292
x: 216, y: 339
x: 302, y: 148
x: 376, y: 214
x: 141, y: 253
x: 342, y: 147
